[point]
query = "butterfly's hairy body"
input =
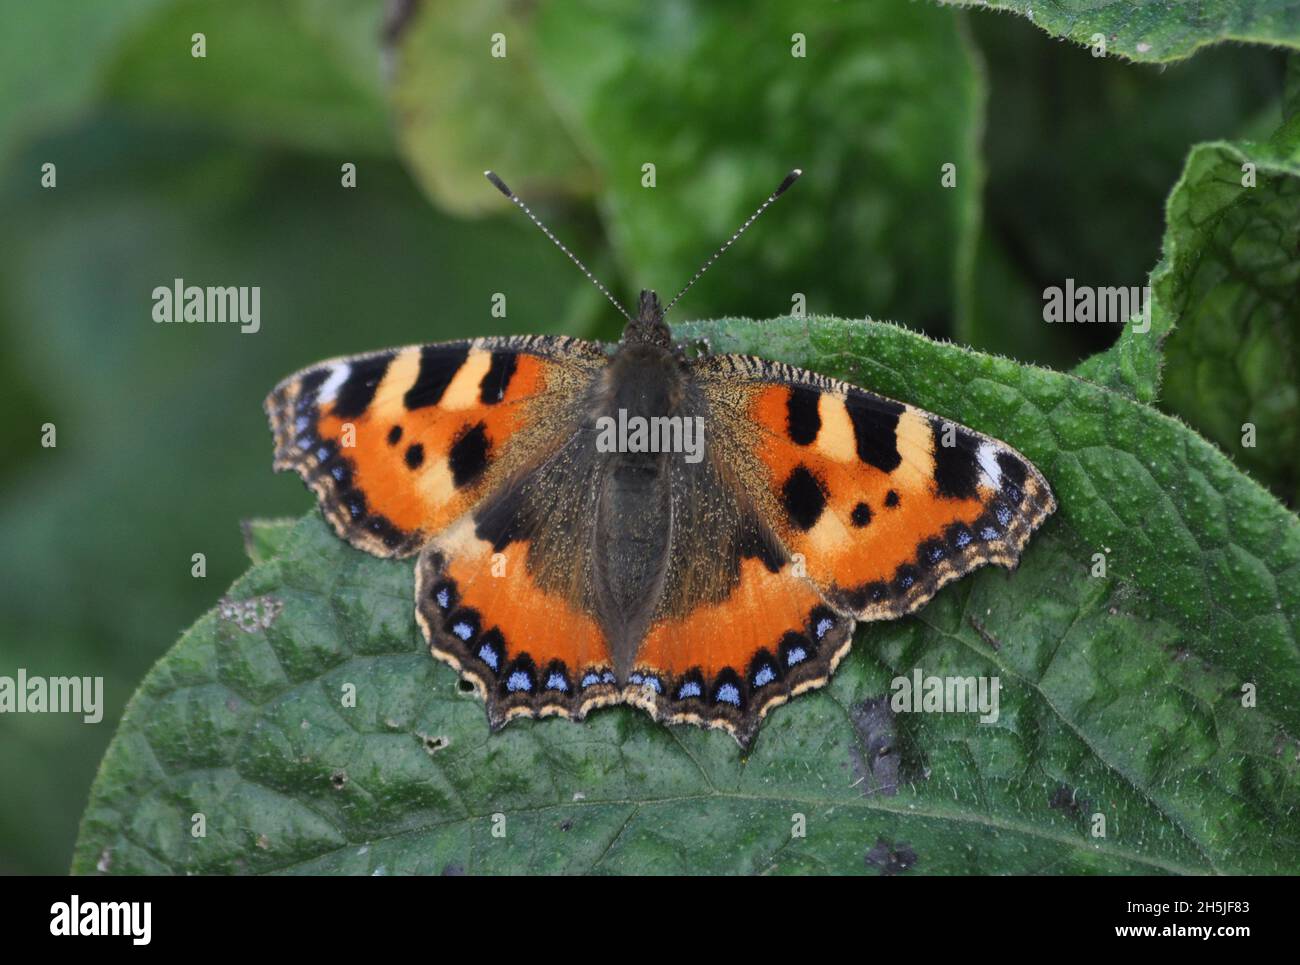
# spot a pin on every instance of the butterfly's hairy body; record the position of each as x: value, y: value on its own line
x: 634, y: 510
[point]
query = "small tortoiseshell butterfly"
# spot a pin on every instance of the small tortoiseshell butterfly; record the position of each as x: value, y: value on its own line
x: 558, y: 572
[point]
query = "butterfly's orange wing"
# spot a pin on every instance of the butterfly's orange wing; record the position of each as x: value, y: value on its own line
x: 398, y: 444
x: 408, y: 449
x: 849, y: 507
x: 506, y: 593
x: 725, y: 663
x: 884, y: 503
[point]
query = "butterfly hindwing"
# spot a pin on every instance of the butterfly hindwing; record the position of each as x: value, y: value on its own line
x: 506, y: 595
x: 735, y: 629
x: 397, y: 444
x: 883, y: 502
x: 728, y: 662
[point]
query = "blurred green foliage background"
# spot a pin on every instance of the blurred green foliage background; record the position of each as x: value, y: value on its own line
x: 225, y: 170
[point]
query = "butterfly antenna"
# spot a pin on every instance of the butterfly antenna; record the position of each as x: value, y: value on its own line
x: 790, y: 179
x: 505, y: 189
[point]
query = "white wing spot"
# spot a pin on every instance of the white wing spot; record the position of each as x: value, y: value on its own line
x: 987, y: 455
x: 329, y: 389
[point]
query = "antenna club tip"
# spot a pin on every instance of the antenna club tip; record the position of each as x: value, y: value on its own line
x: 498, y: 183
x: 790, y: 179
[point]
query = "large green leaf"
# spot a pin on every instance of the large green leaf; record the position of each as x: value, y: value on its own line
x: 1232, y: 364
x: 1223, y: 349
x: 1049, y: 162
x: 1121, y: 694
x: 1155, y: 31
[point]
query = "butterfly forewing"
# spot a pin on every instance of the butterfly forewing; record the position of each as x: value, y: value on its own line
x: 883, y: 502
x: 397, y: 444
